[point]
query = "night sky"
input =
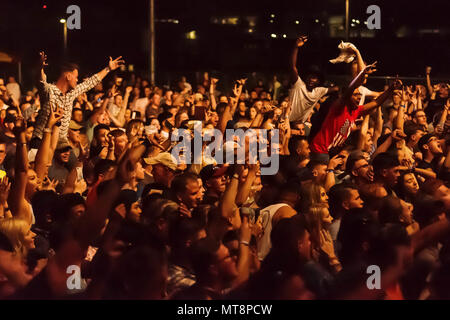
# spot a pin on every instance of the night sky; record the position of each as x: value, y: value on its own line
x: 121, y: 28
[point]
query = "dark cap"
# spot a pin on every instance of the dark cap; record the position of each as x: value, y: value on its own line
x: 424, y: 140
x: 211, y: 171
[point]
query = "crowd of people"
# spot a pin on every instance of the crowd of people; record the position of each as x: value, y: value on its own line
x: 89, y: 181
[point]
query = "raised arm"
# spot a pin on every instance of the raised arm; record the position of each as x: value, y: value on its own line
x: 16, y: 199
x: 358, y: 81
x: 383, y: 97
x: 42, y: 64
x: 212, y: 88
x: 429, y: 86
x: 293, y: 61
x: 112, y: 65
x: 44, y: 153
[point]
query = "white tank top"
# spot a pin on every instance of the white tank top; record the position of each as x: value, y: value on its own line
x: 266, y: 215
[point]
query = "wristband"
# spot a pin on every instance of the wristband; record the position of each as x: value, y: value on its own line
x: 47, y: 130
x: 108, y: 69
x: 245, y: 243
x: 236, y: 176
x: 329, y: 170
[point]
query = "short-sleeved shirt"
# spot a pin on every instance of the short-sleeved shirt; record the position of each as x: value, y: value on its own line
x: 336, y: 127
x: 303, y: 101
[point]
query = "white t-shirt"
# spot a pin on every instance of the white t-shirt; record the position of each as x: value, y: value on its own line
x: 140, y: 105
x: 264, y: 244
x: 303, y: 101
x: 14, y: 90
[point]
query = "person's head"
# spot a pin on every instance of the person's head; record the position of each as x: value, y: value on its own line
x: 120, y: 141
x: 62, y: 152
x: 212, y: 262
x: 313, y: 194
x: 214, y: 178
x: 164, y: 168
x: 443, y: 90
x: 135, y: 128
x: 19, y: 234
x: 318, y: 170
x: 358, y: 167
x: 186, y: 189
x: 43, y: 202
x: 2, y: 151
x: 118, y: 100
x: 100, y: 134
x: 69, y: 74
x: 355, y: 98
x: 289, y: 193
x: 180, y: 117
x: 438, y: 190
x: 298, y: 145
x: 291, y: 244
x: 342, y: 198
x: 74, y: 131
x: 155, y: 99
x: 396, y: 211
x: 386, y: 169
x: 413, y: 134
x: 428, y: 211
x: 77, y: 115
x: 408, y: 185
x: 313, y: 80
x: 420, y: 118
x: 129, y: 199
x: 103, y: 169
x: 32, y: 184
x: 429, y: 145
x: 69, y: 208
x: 183, y: 233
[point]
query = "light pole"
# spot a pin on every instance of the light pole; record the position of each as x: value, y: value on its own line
x: 152, y: 42
x: 347, y: 17
x: 64, y: 22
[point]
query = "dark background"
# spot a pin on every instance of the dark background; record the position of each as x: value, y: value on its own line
x: 413, y: 34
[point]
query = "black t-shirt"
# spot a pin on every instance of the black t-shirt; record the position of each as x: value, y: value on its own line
x: 434, y: 106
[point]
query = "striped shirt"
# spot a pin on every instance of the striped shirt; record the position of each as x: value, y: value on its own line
x: 52, y: 96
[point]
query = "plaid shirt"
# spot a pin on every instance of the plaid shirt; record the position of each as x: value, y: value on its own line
x: 179, y: 278
x: 52, y: 96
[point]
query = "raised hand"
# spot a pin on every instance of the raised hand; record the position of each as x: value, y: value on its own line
x: 397, y: 84
x: 214, y: 81
x: 43, y: 59
x: 335, y: 161
x: 428, y: 69
x: 128, y: 89
x: 301, y: 41
x: 5, y: 186
x: 242, y: 81
x: 19, y: 126
x: 114, y: 64
x: 371, y: 68
x: 55, y: 117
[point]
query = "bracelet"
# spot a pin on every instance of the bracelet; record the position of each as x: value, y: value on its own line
x: 329, y: 170
x: 236, y: 176
x: 245, y: 243
x: 108, y: 69
x: 47, y: 130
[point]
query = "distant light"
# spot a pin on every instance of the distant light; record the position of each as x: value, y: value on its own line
x: 297, y: 22
x: 352, y: 24
x: 353, y: 20
x: 271, y: 21
x: 284, y: 36
x: 273, y: 35
x: 44, y: 6
x: 272, y: 15
x: 317, y: 20
x: 62, y: 20
x: 357, y: 21
x: 250, y: 30
x: 192, y: 35
x: 365, y: 22
x: 176, y: 21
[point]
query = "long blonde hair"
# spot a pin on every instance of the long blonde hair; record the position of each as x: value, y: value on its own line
x: 314, y: 219
x: 16, y: 230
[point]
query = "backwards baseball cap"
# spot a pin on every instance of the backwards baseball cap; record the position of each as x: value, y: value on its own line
x: 211, y: 171
x: 164, y: 158
x: 74, y: 125
x: 63, y: 146
x: 424, y: 140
